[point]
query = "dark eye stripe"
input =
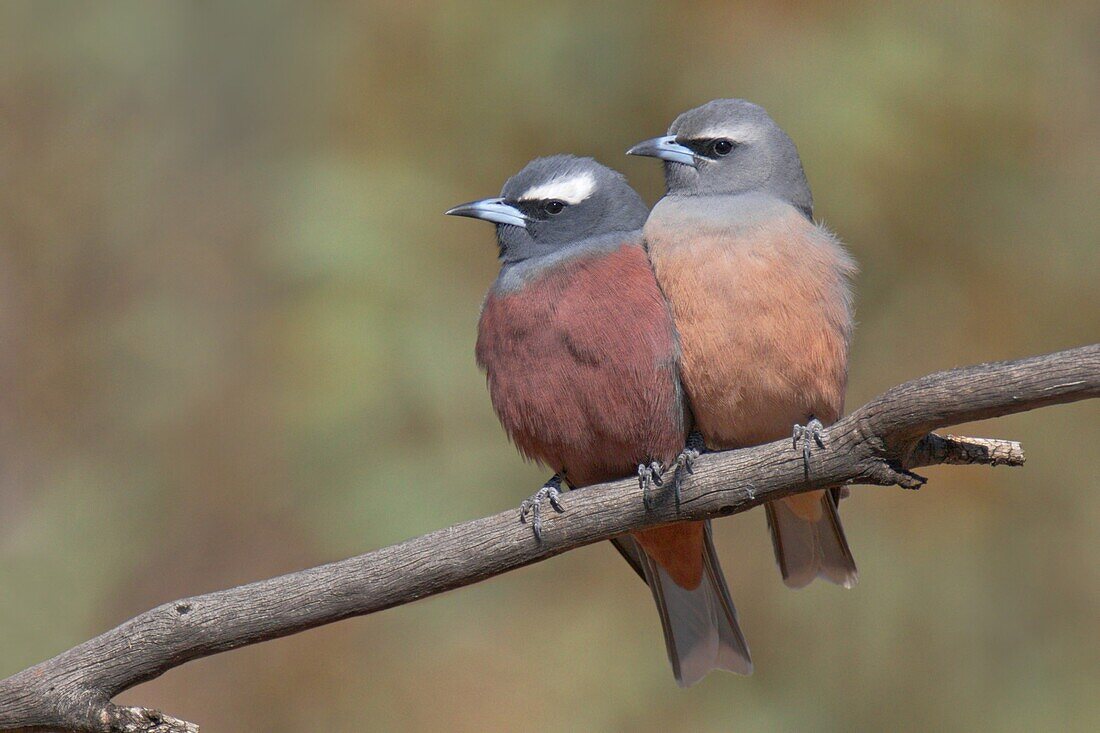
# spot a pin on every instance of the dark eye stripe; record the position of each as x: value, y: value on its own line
x: 701, y: 145
x: 535, y: 208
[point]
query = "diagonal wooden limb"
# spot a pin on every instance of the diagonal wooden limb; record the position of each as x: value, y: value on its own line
x: 880, y: 443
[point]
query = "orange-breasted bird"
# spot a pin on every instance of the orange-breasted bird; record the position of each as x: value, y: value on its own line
x: 761, y: 297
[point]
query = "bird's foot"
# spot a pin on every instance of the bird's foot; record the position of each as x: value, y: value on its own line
x: 649, y: 476
x: 551, y: 491
x: 685, y: 462
x: 811, y: 432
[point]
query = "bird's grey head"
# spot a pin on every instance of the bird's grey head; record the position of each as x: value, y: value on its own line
x: 729, y: 146
x: 555, y: 203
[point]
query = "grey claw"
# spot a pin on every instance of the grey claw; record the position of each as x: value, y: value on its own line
x: 533, y: 505
x: 686, y: 460
x: 813, y: 431
x: 643, y: 484
x: 649, y: 476
x: 684, y: 464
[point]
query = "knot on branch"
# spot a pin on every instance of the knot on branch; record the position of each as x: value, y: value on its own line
x: 118, y: 719
x: 959, y: 450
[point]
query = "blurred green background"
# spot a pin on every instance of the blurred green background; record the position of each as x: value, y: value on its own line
x: 237, y: 340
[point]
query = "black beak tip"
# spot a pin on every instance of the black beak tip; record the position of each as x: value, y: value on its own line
x: 461, y: 210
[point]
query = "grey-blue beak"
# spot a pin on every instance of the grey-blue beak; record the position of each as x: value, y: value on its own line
x: 494, y: 210
x: 665, y: 148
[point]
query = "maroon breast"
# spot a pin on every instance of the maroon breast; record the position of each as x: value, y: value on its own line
x: 581, y: 363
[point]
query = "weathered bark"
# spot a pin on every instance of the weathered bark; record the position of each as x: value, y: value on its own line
x: 877, y: 444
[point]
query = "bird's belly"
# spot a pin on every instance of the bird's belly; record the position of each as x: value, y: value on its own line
x: 739, y: 403
x: 764, y: 342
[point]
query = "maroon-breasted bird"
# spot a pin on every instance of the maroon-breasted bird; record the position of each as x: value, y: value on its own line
x: 581, y: 357
x: 761, y: 298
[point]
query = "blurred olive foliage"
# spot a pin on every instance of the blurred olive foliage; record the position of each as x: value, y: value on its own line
x: 236, y: 339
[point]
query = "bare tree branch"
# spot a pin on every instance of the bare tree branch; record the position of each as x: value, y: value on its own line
x: 877, y: 444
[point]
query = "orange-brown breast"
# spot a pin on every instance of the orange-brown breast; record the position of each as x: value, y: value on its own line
x: 764, y: 315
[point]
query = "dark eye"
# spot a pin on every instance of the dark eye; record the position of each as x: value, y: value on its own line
x: 722, y: 147
x: 553, y: 207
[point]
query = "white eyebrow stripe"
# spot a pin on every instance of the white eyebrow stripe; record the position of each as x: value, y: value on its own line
x: 571, y: 190
x: 739, y: 134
